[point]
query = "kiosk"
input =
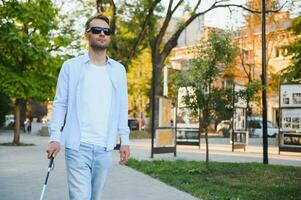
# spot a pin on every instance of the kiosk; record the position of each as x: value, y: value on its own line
x: 239, y: 135
x: 289, y: 138
x: 186, y: 126
x: 164, y: 140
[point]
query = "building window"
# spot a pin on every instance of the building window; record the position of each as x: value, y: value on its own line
x: 228, y: 84
x: 277, y: 52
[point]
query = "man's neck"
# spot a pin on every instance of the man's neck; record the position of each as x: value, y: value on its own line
x: 98, y: 57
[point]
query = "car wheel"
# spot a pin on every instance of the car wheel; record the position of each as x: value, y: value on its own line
x: 274, y: 135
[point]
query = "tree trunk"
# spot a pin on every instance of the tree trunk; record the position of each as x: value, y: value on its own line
x: 156, y: 91
x: 18, y: 105
x: 23, y: 111
x: 207, y: 146
x: 159, y: 77
x: 200, y: 124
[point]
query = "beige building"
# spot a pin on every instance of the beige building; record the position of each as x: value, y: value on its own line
x: 249, y: 62
x: 248, y: 39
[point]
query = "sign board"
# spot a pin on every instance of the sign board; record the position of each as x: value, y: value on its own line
x: 290, y: 95
x: 182, y: 92
x: 164, y: 112
x: 292, y: 139
x: 241, y: 103
x: 185, y: 119
x: 290, y: 117
x: 239, y: 136
x: 165, y: 137
x: 240, y: 110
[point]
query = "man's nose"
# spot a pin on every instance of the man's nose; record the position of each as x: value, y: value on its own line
x: 102, y: 33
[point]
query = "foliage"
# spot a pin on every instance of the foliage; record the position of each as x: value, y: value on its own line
x: 28, y: 69
x: 251, y: 92
x: 246, y: 181
x: 139, y: 76
x: 293, y: 72
x: 127, y: 23
x: 213, y: 56
x: 202, y: 96
x: 33, y: 45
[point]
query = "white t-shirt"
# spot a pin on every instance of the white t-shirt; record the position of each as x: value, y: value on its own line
x: 95, y: 102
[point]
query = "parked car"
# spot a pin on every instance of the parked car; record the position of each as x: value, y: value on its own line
x: 9, y: 121
x: 223, y: 127
x: 255, y: 125
x: 133, y: 124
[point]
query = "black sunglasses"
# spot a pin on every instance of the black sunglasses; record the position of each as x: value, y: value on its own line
x: 98, y: 30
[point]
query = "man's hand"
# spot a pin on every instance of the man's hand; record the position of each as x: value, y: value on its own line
x: 53, y: 149
x: 124, y: 154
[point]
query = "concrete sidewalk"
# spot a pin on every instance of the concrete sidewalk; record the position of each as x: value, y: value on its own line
x: 23, y: 170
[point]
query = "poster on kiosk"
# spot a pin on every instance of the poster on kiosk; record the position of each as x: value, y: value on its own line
x: 290, y: 117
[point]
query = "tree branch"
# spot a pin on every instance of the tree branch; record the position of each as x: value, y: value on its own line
x: 113, y: 20
x: 196, y: 6
x: 172, y: 42
x: 143, y: 29
x: 176, y: 7
x: 98, y: 7
x: 53, y: 48
x: 158, y: 39
x: 243, y: 64
x: 249, y: 9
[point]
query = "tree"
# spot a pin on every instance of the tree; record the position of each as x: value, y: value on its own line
x: 139, y: 76
x: 30, y: 47
x: 150, y: 22
x: 250, y: 47
x: 293, y: 72
x: 203, y: 96
x: 249, y: 41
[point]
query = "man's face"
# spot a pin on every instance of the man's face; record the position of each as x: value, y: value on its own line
x: 98, y: 41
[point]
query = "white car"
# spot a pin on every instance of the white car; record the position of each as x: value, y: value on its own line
x: 255, y: 127
x: 223, y: 127
x: 9, y: 120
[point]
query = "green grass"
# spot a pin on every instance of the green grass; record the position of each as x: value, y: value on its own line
x: 227, y: 181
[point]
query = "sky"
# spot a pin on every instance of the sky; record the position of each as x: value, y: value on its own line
x: 223, y: 18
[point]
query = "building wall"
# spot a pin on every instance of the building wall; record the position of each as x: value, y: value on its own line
x: 249, y: 42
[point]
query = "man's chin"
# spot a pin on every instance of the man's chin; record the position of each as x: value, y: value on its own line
x: 98, y: 48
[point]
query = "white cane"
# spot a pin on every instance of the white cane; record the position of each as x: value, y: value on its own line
x: 50, y: 167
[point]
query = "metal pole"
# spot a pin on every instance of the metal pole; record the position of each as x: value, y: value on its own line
x: 264, y: 97
x: 165, y: 78
x: 153, y: 99
x: 175, y: 119
x: 233, y: 115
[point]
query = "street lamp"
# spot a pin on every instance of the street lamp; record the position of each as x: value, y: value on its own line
x: 264, y: 96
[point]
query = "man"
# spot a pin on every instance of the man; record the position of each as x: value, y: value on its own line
x: 91, y: 107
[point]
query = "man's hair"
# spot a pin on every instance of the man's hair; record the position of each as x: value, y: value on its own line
x: 99, y: 16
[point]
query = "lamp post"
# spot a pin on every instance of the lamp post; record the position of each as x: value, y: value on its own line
x: 153, y: 107
x: 264, y: 97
